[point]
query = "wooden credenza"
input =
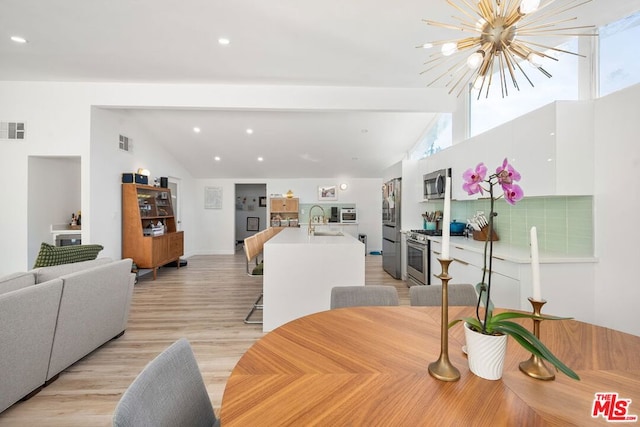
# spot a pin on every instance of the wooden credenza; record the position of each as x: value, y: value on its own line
x: 145, y: 206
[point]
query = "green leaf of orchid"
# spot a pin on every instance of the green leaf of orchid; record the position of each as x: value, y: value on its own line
x: 515, y: 315
x: 532, y: 344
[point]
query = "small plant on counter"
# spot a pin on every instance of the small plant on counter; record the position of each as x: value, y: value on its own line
x: 476, y: 181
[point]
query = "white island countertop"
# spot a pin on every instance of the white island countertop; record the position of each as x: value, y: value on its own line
x: 300, y: 270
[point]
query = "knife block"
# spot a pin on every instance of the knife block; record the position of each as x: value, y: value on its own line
x: 482, y: 234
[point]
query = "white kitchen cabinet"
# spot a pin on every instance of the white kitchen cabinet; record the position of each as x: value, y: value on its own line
x: 467, y: 267
x: 550, y: 147
x: 566, y: 281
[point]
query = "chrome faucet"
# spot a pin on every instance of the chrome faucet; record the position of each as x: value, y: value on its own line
x: 312, y: 228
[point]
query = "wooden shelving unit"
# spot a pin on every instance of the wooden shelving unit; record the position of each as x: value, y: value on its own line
x: 284, y: 211
x: 144, y: 208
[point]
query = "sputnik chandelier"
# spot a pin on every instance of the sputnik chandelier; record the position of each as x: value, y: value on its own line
x: 496, y: 45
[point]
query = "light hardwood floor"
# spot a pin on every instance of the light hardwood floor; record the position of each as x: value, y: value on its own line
x: 204, y: 302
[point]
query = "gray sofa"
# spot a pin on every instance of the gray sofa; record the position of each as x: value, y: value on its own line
x: 51, y: 317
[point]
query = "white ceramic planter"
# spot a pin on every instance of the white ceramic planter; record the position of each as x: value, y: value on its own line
x: 485, y: 353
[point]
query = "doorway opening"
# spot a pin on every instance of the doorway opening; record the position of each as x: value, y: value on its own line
x: 251, y: 211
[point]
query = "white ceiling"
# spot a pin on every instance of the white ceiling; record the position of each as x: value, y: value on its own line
x: 363, y: 43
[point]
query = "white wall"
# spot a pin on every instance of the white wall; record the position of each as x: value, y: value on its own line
x: 59, y: 123
x: 617, y: 203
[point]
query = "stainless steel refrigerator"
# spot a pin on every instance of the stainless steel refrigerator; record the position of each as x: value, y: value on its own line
x: 391, y: 231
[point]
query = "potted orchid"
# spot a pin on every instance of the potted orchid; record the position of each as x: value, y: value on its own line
x: 500, y: 325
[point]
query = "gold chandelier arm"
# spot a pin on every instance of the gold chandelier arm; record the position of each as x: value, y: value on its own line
x: 508, y: 60
x: 503, y: 77
x: 462, y: 10
x: 466, y: 84
x: 555, y: 49
x: 541, y: 17
x: 442, y: 25
x: 467, y: 71
x: 521, y: 69
x: 448, y: 71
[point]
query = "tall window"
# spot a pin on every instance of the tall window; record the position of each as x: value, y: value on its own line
x: 487, y: 113
x: 438, y: 137
x: 619, y: 59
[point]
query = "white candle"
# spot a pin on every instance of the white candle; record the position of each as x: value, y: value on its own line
x: 446, y: 220
x: 535, y: 265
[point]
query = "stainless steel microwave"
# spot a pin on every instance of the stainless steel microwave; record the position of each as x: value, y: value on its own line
x: 434, y: 184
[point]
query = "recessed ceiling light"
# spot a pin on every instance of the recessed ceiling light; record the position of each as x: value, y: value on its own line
x: 196, y: 129
x: 18, y: 39
x: 249, y: 131
x: 344, y: 186
x: 216, y: 158
x: 260, y: 159
x: 223, y: 41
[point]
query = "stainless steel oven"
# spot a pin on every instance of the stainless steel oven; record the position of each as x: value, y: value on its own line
x: 418, y: 260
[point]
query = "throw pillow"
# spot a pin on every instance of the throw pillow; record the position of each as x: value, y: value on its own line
x: 55, y: 255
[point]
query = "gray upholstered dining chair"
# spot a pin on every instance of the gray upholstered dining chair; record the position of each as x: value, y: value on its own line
x: 458, y: 294
x: 168, y: 392
x: 352, y: 296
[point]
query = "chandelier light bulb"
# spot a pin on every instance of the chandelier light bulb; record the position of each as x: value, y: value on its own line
x: 480, y: 24
x: 477, y: 84
x: 534, y: 59
x: 427, y: 45
x: 474, y: 60
x: 528, y: 6
x: 449, y: 49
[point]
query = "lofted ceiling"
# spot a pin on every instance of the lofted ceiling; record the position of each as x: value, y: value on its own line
x: 354, y: 43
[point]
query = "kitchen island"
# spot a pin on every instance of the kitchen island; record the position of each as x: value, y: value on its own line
x: 300, y: 270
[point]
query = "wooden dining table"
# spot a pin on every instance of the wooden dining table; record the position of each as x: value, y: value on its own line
x: 368, y: 366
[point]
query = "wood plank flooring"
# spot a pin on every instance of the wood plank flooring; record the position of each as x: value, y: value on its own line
x: 204, y: 302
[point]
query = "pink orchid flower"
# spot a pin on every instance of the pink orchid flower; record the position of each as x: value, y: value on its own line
x: 473, y: 179
x: 512, y: 193
x: 507, y: 174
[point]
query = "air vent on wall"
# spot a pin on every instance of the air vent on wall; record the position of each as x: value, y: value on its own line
x: 12, y: 130
x: 125, y: 144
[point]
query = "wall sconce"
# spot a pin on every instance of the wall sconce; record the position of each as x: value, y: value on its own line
x: 344, y: 186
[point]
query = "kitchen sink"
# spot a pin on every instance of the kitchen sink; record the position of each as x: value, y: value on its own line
x: 328, y: 233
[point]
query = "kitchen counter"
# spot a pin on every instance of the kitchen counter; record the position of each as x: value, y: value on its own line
x: 300, y: 271
x: 516, y: 254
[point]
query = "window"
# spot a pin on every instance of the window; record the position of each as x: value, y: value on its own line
x: 438, y: 137
x: 487, y: 113
x: 619, y: 60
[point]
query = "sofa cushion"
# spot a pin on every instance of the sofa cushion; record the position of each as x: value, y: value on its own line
x: 28, y: 320
x: 16, y: 281
x: 43, y: 274
x: 92, y: 311
x: 55, y: 255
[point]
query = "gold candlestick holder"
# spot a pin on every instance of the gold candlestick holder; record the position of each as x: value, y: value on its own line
x: 535, y: 367
x: 442, y: 368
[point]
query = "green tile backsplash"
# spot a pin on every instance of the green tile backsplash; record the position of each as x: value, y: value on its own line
x: 565, y: 224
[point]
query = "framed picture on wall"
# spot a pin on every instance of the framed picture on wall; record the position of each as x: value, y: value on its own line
x: 328, y: 193
x: 253, y: 223
x: 263, y: 202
